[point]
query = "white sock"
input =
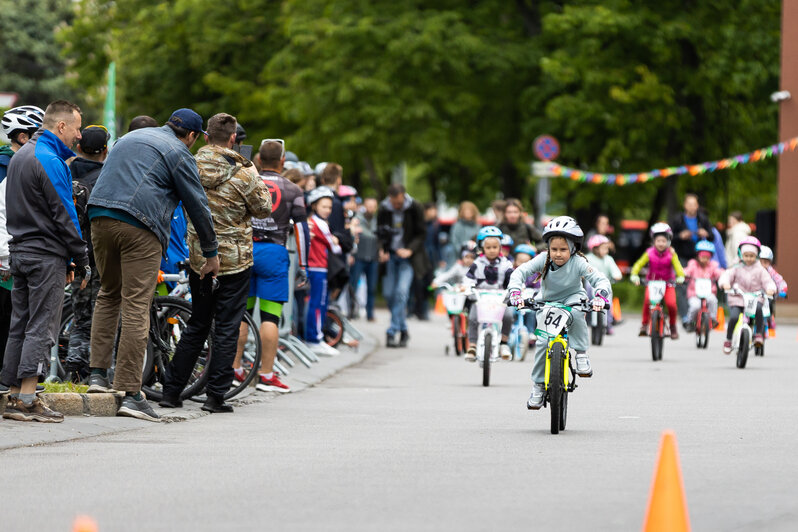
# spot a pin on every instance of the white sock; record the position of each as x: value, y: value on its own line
x: 268, y: 376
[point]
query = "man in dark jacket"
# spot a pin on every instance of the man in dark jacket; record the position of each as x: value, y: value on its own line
x: 402, y: 231
x: 688, y: 228
x: 45, y: 237
x: 92, y: 151
x: 146, y: 174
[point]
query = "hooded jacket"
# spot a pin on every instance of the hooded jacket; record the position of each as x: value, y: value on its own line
x: 748, y: 279
x: 41, y: 216
x: 236, y: 194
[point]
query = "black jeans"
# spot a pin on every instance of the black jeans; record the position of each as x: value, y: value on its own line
x: 226, y: 305
x: 5, y: 320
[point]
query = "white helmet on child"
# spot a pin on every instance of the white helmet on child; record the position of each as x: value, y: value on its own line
x: 766, y: 253
x: 318, y: 193
x: 566, y: 227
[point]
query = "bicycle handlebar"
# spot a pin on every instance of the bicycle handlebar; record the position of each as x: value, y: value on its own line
x: 584, y: 305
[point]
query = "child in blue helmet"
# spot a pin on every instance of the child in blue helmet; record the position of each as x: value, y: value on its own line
x: 702, y: 267
x: 490, y: 270
x: 561, y: 269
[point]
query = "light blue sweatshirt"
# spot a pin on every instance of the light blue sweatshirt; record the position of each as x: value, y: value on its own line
x: 563, y: 284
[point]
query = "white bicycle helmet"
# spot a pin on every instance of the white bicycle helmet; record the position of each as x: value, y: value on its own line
x: 766, y: 253
x: 661, y: 228
x: 320, y: 168
x: 566, y: 227
x: 318, y: 193
x: 27, y: 118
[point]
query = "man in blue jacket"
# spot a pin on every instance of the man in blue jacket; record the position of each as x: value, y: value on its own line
x: 45, y: 235
x: 147, y: 173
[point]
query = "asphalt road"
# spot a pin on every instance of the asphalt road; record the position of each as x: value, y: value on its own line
x: 410, y: 440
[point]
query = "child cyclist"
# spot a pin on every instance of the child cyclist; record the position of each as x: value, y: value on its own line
x: 766, y: 259
x: 561, y: 269
x: 702, y: 267
x: 749, y: 276
x: 490, y: 270
x: 599, y: 257
x: 663, y: 265
x: 459, y: 269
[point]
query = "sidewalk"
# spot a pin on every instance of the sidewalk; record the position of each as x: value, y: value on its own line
x: 15, y: 434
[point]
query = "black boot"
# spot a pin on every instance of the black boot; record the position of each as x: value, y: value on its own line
x: 170, y: 401
x: 403, y: 339
x: 215, y: 405
x: 390, y: 340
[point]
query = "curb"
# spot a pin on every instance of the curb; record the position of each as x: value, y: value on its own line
x: 78, y: 404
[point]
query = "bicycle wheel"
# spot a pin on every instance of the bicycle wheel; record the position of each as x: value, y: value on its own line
x: 656, y: 336
x: 455, y: 320
x: 333, y: 328
x: 742, y: 351
x: 250, y: 359
x: 556, y: 387
x: 171, y: 318
x: 706, y: 323
x: 564, y: 410
x: 486, y: 360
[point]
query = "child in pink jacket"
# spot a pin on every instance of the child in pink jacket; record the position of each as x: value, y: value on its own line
x: 702, y: 267
x: 748, y: 276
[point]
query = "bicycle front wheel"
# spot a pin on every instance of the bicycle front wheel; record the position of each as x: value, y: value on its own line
x: 742, y: 351
x: 486, y: 360
x: 656, y: 336
x: 556, y: 387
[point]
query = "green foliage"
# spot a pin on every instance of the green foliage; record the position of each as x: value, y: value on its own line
x: 458, y: 90
x: 30, y: 60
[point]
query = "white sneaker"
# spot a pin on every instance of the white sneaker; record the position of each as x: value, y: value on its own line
x: 504, y: 352
x: 323, y: 350
x: 535, y: 400
x: 583, y: 368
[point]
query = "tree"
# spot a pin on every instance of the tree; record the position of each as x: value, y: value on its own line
x: 30, y: 61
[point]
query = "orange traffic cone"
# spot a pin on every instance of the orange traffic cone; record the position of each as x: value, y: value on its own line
x: 721, y: 320
x: 84, y: 523
x: 616, y: 310
x: 771, y: 333
x: 440, y: 308
x: 667, y: 506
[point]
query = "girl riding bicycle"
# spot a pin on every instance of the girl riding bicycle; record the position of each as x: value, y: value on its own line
x: 561, y: 269
x: 749, y: 276
x: 663, y: 265
x: 702, y: 267
x: 490, y: 270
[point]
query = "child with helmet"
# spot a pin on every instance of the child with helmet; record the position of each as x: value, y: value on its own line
x: 702, y: 267
x: 749, y: 276
x: 663, y: 265
x: 766, y: 258
x: 598, y: 247
x: 522, y: 254
x: 322, y: 242
x: 459, y: 269
x: 491, y: 269
x: 560, y: 269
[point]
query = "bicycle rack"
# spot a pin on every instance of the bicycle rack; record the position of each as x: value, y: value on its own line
x: 288, y: 340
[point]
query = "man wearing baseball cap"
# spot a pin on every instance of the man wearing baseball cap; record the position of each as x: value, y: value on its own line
x: 92, y: 151
x: 145, y: 176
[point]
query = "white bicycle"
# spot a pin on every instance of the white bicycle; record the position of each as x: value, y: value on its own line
x: 490, y: 306
x: 743, y: 335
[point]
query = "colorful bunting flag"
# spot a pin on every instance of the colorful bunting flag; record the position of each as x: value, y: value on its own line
x: 582, y: 176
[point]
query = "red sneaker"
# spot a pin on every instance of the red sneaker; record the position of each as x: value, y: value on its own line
x: 238, y: 376
x: 727, y: 347
x: 271, y: 385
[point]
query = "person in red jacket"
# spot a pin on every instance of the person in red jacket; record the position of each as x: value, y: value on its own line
x: 322, y: 242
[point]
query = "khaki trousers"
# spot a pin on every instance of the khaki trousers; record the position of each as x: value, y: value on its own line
x: 127, y: 258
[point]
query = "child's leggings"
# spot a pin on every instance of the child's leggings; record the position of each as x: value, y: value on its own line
x: 670, y: 302
x: 473, y: 323
x: 317, y: 307
x: 734, y: 315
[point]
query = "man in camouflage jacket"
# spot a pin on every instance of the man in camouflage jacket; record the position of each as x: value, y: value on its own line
x: 236, y: 194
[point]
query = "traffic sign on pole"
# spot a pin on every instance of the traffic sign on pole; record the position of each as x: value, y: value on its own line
x: 546, y: 148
